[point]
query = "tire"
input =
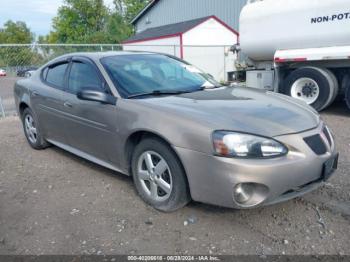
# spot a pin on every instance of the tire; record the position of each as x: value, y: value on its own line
x: 34, y: 137
x: 335, y: 86
x: 320, y: 78
x: 347, y: 96
x: 171, y: 176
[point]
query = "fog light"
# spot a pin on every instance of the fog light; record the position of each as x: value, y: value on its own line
x: 242, y: 193
x: 248, y: 195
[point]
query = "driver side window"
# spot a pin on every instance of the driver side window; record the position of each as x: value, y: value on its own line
x: 83, y: 76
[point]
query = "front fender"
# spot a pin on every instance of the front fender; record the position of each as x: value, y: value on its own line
x: 178, y: 130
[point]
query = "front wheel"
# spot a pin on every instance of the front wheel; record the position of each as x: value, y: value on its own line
x: 159, y: 176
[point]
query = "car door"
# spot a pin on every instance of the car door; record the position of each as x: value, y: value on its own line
x: 47, y: 100
x: 91, y: 126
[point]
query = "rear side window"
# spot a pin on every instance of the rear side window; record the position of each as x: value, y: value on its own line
x: 55, y: 75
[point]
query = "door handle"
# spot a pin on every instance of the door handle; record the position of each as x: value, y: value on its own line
x: 67, y: 104
x: 34, y: 93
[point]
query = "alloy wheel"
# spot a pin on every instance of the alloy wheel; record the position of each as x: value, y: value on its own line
x: 154, y: 175
x: 30, y: 129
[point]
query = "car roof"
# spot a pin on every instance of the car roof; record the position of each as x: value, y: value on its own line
x: 96, y: 56
x: 99, y: 55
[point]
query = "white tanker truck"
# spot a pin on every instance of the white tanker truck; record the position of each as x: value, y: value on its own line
x: 298, y: 48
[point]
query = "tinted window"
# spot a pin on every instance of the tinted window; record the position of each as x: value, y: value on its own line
x: 55, y: 75
x: 138, y: 69
x: 168, y: 70
x: 83, y: 76
x: 135, y: 74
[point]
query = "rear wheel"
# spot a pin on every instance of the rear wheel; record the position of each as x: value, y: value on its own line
x: 159, y: 176
x: 317, y: 87
x: 32, y: 130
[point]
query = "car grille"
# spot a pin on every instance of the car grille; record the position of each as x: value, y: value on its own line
x: 316, y: 143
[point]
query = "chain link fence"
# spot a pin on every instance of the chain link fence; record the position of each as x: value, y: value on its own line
x: 16, y: 59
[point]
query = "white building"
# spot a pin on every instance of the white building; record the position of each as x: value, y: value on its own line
x: 204, y: 42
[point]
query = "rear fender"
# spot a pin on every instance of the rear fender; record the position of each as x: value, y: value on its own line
x: 21, y: 95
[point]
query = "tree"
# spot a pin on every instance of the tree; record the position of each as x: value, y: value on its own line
x: 77, y: 20
x: 90, y: 21
x: 118, y: 28
x: 133, y: 7
x: 16, y: 33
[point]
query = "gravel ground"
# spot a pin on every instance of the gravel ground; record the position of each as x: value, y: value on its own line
x: 52, y: 202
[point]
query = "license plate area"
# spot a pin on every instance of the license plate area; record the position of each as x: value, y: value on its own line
x: 329, y: 167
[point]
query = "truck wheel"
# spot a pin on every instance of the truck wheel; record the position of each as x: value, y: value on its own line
x: 312, y: 85
x: 345, y: 90
x: 335, y: 85
x: 347, y: 96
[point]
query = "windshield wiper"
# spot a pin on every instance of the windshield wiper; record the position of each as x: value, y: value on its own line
x: 160, y: 93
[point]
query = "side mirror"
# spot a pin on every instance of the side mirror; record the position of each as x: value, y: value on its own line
x: 97, y: 96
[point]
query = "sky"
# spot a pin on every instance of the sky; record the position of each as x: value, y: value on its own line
x: 36, y: 13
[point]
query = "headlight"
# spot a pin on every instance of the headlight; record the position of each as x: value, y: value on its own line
x: 232, y: 144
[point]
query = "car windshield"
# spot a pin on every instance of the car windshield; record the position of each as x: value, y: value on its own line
x: 154, y: 74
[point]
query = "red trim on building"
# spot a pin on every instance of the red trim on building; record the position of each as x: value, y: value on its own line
x: 218, y: 20
x: 181, y: 47
x: 180, y: 33
x: 226, y: 25
x: 151, y: 38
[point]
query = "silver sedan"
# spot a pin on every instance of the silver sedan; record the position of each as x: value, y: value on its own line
x: 175, y: 130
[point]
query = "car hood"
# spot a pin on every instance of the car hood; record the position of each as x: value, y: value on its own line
x: 240, y: 109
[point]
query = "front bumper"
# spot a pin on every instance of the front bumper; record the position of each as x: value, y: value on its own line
x: 212, y: 179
